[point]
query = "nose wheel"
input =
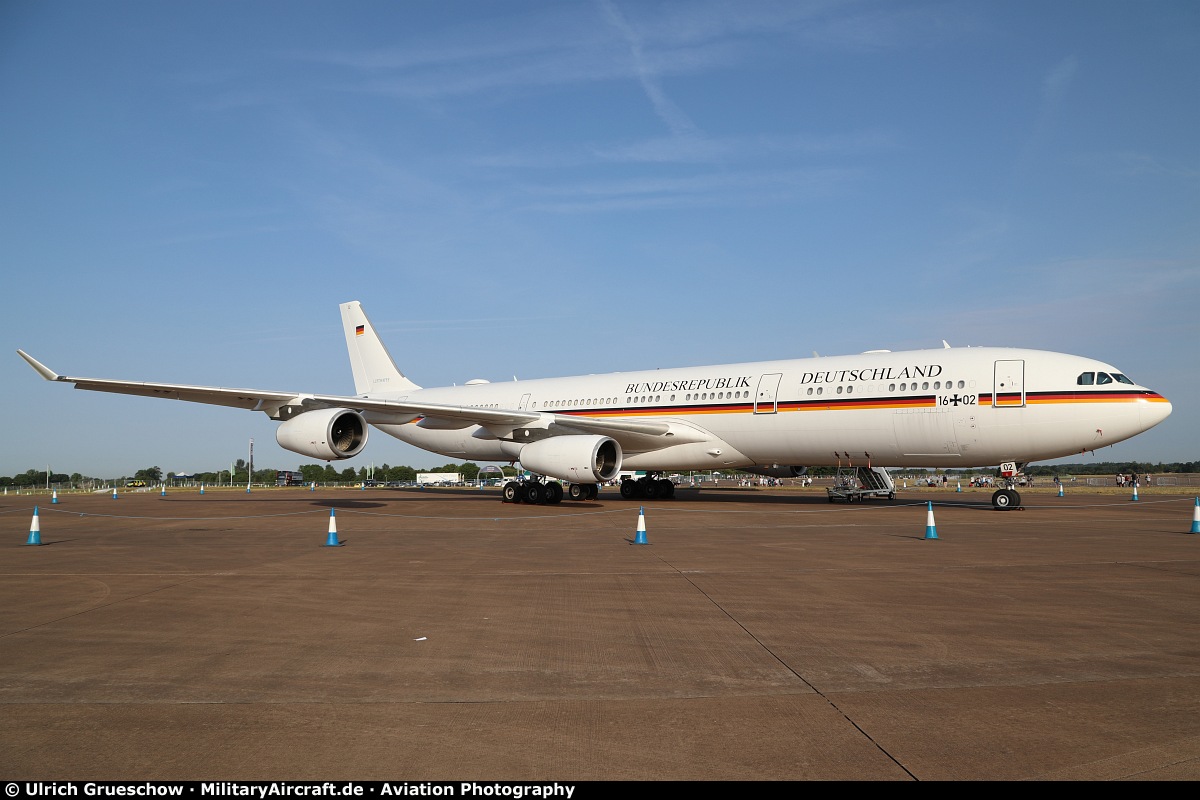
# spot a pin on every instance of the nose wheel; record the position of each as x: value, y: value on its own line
x: 1006, y: 499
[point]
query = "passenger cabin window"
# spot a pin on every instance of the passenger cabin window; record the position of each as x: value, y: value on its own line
x: 1086, y: 379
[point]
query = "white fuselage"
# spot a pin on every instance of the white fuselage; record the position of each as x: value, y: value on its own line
x: 960, y: 407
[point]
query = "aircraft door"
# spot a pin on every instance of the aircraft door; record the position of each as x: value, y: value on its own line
x: 524, y: 402
x: 766, y: 400
x: 1008, y: 391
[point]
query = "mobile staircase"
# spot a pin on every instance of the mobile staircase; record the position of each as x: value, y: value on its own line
x: 852, y: 484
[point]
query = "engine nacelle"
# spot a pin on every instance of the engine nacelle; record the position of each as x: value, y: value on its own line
x: 330, y: 434
x: 777, y: 472
x: 578, y: 459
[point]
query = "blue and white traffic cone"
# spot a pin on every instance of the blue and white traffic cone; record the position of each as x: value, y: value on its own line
x: 1060, y: 491
x: 35, y: 529
x: 332, y: 541
x: 640, y: 538
x: 312, y: 487
x: 114, y: 493
x: 54, y: 497
x: 202, y: 488
x: 930, y: 527
x: 1196, y: 517
x: 1134, y: 491
x: 162, y: 491
x: 959, y: 489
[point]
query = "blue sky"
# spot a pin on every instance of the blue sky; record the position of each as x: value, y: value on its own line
x: 545, y: 188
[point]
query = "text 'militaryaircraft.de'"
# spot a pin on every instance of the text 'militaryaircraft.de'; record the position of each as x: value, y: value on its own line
x: 950, y: 407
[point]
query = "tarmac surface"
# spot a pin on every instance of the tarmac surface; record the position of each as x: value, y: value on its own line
x: 756, y: 635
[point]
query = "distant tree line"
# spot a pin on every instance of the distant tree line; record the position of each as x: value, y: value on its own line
x: 1114, y: 467
x: 312, y: 473
x: 327, y: 473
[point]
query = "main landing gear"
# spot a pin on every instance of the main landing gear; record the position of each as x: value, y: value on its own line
x: 648, y: 486
x: 538, y: 492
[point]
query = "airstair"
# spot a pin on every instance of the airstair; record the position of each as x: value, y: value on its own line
x: 852, y: 484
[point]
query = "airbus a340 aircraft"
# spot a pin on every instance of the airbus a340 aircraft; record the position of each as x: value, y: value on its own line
x: 950, y: 407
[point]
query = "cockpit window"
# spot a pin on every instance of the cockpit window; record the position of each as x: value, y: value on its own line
x: 1122, y: 379
x: 1103, y: 378
x: 1086, y: 379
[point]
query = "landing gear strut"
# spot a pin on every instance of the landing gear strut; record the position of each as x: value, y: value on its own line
x: 1006, y: 498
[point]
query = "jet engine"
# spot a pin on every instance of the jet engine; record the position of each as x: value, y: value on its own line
x: 330, y: 434
x: 578, y: 459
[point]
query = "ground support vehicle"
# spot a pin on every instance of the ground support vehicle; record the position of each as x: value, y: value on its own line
x: 853, y: 484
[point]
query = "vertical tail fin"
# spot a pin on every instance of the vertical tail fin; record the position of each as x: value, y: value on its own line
x: 374, y: 369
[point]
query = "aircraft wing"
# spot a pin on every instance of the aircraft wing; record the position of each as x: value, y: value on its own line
x: 237, y: 398
x: 400, y: 410
x: 489, y: 416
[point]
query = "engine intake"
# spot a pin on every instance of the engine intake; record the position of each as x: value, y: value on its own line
x: 578, y: 459
x: 330, y: 434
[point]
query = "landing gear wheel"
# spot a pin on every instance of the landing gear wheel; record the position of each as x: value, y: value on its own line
x: 577, y: 491
x: 651, y: 490
x: 592, y: 491
x: 554, y: 493
x: 511, y: 492
x: 666, y: 489
x: 535, y: 493
x: 629, y: 490
x: 1005, y: 500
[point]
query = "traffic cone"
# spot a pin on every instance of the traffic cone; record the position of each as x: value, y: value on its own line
x: 312, y: 487
x: 332, y: 541
x: 930, y: 527
x: 959, y: 489
x: 640, y: 538
x: 1134, y: 491
x: 1196, y: 517
x: 54, y: 497
x: 1060, y: 491
x: 202, y: 488
x: 35, y: 529
x: 162, y: 491
x: 114, y: 493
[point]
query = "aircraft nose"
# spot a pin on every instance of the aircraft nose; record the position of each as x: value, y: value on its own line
x: 1155, y: 412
